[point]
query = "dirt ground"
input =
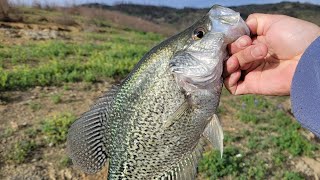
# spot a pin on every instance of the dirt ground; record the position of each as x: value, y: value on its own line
x: 17, y: 114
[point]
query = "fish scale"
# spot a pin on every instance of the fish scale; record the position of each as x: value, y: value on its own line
x: 154, y: 125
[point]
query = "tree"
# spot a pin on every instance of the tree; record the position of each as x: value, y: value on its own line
x: 4, y: 10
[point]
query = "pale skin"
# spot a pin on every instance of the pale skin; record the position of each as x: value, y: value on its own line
x: 265, y: 62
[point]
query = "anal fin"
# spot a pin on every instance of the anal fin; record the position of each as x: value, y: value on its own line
x: 214, y: 133
x: 186, y: 168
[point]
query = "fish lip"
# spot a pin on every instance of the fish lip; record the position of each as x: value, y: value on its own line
x: 224, y: 15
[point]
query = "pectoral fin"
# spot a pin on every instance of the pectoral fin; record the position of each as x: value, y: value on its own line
x: 214, y: 133
x: 176, y: 115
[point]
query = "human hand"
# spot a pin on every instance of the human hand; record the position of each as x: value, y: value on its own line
x: 266, y: 63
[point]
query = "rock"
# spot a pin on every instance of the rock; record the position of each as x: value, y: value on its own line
x: 14, y: 125
x: 301, y: 166
x: 310, y: 136
x: 313, y: 164
x: 36, y: 34
x: 51, y: 173
x: 68, y: 174
x: 24, y: 124
x: 33, y: 97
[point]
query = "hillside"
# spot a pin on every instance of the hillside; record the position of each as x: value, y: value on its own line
x: 55, y: 62
x: 181, y: 18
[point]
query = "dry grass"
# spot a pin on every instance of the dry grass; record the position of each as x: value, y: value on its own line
x: 9, y: 13
x: 66, y: 19
x: 120, y: 18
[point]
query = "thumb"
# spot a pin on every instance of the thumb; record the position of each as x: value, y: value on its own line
x: 259, y: 23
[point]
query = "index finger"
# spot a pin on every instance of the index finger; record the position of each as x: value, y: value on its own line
x: 259, y: 23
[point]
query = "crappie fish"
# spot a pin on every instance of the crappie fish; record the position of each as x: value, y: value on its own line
x: 154, y: 124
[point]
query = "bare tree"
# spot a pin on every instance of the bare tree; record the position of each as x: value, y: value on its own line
x: 4, y: 9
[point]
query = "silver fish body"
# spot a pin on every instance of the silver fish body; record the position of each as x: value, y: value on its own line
x: 152, y: 125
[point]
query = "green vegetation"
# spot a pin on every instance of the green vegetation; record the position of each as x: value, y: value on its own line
x: 64, y: 162
x: 20, y: 151
x: 7, y: 133
x: 272, y: 131
x: 52, y: 131
x: 292, y: 176
x: 55, y: 62
x: 55, y: 129
x: 214, y: 166
x: 35, y: 106
x: 56, y: 98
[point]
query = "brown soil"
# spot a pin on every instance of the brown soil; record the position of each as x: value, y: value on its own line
x: 17, y: 114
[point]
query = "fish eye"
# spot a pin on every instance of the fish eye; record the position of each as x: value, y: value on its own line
x: 198, y: 33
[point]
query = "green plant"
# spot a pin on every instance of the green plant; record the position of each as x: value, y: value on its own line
x: 64, y: 162
x: 288, y: 175
x: 256, y: 169
x: 213, y: 166
x: 56, y: 128
x: 278, y: 158
x: 289, y: 137
x: 247, y: 117
x: 35, y: 106
x: 55, y: 62
x: 56, y: 98
x: 3, y: 78
x: 7, y: 132
x: 31, y: 132
x: 20, y: 151
x: 66, y: 87
x: 252, y: 109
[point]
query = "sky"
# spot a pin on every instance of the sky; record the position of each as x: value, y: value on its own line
x: 170, y: 3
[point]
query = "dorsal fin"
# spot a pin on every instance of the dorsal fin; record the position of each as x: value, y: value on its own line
x: 107, y: 98
x: 87, y: 142
x: 186, y: 168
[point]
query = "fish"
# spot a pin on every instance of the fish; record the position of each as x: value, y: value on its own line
x: 155, y: 124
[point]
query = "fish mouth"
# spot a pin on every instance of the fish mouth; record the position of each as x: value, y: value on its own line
x: 224, y: 15
x: 227, y: 21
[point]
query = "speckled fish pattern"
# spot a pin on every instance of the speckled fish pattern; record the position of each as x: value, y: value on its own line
x: 154, y: 124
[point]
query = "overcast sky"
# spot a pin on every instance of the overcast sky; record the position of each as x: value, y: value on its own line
x: 171, y: 3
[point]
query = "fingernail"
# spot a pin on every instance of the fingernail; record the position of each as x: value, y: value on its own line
x: 241, y: 43
x: 257, y: 52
